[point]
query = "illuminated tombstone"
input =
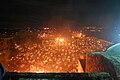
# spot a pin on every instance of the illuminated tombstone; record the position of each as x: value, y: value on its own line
x: 108, y: 61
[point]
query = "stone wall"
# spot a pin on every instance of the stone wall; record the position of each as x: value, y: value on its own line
x: 56, y: 76
x: 98, y: 63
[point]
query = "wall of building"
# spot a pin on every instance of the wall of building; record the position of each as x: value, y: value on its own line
x: 98, y: 63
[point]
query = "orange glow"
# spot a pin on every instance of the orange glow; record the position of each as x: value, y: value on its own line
x: 60, y: 39
x: 50, y: 54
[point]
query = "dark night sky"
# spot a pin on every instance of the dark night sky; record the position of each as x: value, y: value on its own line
x: 85, y: 12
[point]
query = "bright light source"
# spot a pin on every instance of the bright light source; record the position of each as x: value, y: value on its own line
x: 80, y: 35
x: 57, y: 39
x: 61, y: 40
x: 118, y: 34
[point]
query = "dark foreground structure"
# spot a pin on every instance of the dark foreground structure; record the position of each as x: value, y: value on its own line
x: 98, y: 66
x: 108, y: 61
x: 57, y: 76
